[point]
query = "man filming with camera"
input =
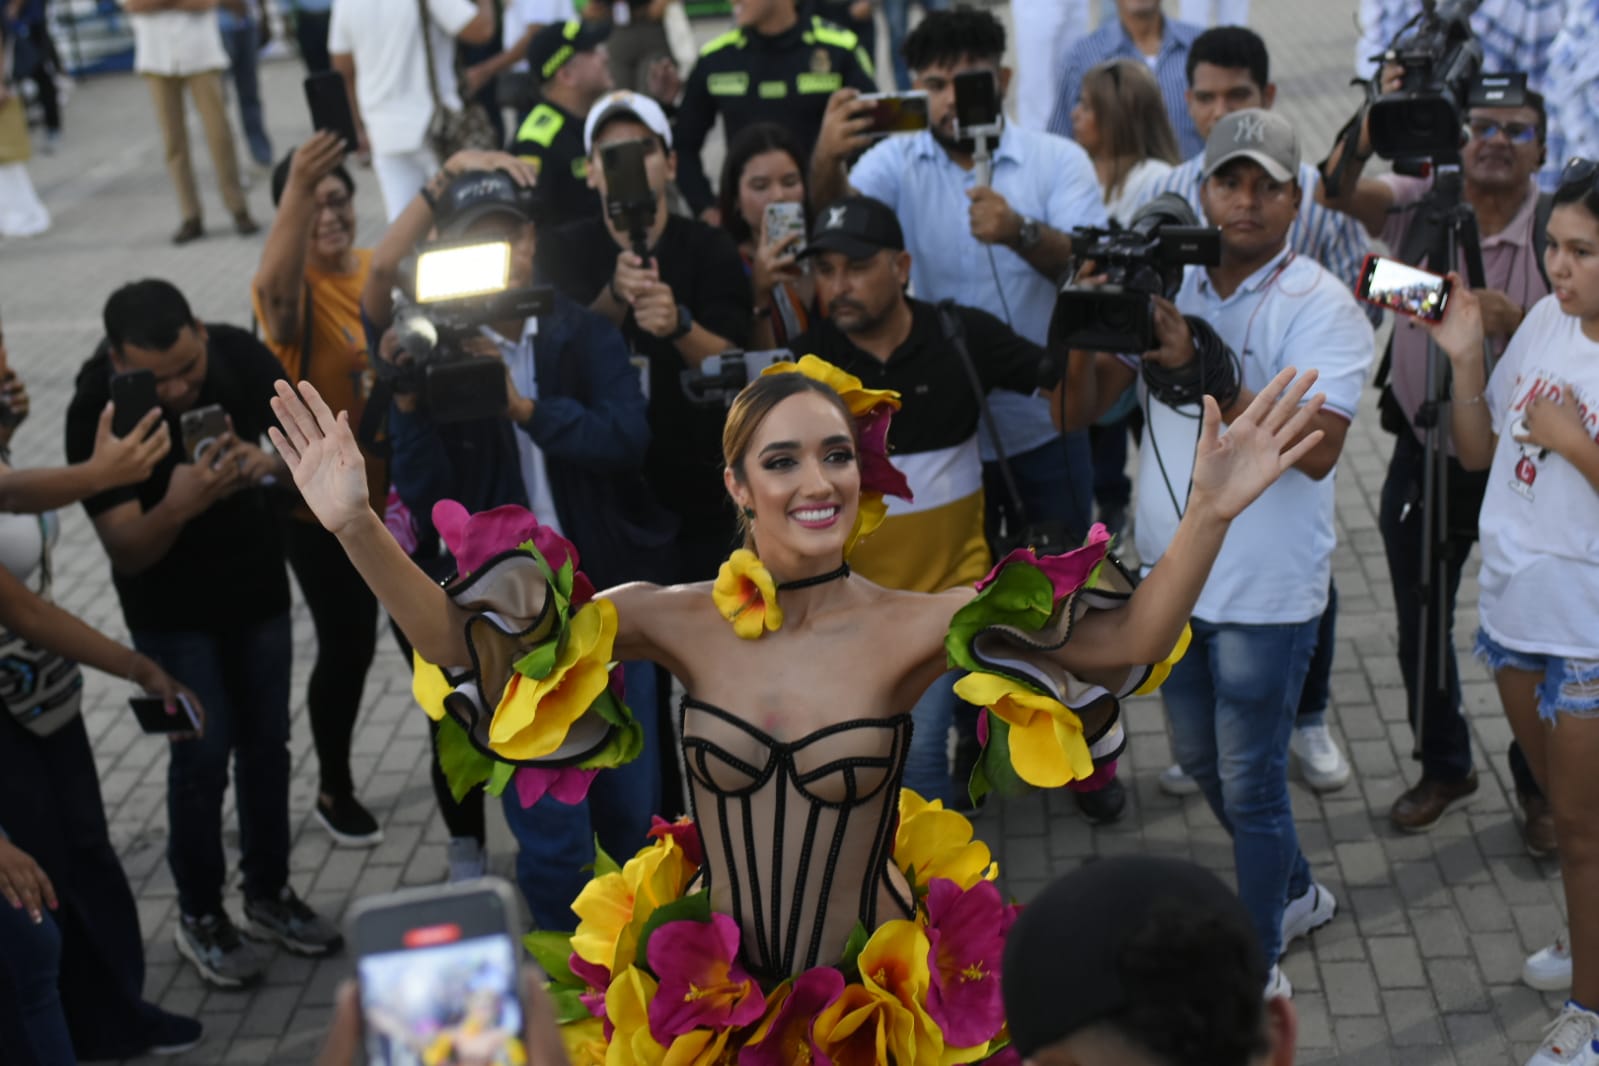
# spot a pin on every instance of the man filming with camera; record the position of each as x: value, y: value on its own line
x: 1498, y: 165
x: 1232, y: 698
x: 554, y: 421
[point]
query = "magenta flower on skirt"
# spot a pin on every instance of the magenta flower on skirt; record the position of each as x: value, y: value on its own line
x: 702, y: 983
x: 966, y: 930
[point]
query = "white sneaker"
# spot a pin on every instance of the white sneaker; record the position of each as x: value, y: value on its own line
x: 1174, y: 782
x: 467, y: 859
x: 1308, y: 913
x: 1549, y: 969
x: 1569, y: 1040
x: 1277, y: 986
x: 1323, y: 765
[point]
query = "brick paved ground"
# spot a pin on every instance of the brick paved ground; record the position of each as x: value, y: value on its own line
x: 1420, y: 966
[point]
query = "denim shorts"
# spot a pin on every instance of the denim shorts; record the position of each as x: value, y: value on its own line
x: 1569, y: 686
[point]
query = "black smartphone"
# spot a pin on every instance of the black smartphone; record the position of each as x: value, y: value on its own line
x: 465, y: 390
x: 133, y: 393
x: 151, y: 711
x: 330, y: 105
x: 976, y: 103
x: 201, y: 428
x: 438, y: 974
x: 896, y: 112
x: 1403, y: 289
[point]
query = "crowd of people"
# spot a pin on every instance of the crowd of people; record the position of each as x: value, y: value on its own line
x: 923, y: 269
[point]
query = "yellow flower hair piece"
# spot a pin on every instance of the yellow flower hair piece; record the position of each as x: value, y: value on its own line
x: 856, y: 396
x: 746, y: 595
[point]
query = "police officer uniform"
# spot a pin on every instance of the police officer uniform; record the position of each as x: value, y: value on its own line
x: 748, y: 77
x: 551, y: 138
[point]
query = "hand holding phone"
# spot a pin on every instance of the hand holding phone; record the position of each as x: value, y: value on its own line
x: 153, y: 716
x: 785, y: 219
x: 134, y: 395
x: 203, y: 428
x: 1403, y: 289
x: 896, y: 112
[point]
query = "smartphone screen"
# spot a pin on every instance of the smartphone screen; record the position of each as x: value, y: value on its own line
x: 627, y: 181
x: 330, y: 105
x: 1403, y: 288
x: 784, y: 219
x: 151, y: 711
x: 976, y: 101
x: 134, y: 396
x: 897, y: 112
x: 438, y: 972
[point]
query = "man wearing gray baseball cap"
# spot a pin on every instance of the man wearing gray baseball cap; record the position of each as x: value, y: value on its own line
x: 1232, y: 699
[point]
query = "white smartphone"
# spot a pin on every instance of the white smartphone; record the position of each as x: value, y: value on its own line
x: 783, y: 219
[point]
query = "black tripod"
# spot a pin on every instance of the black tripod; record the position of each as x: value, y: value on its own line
x: 1455, y: 230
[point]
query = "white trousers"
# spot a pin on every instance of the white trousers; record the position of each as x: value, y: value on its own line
x: 1045, y: 29
x: 401, y: 176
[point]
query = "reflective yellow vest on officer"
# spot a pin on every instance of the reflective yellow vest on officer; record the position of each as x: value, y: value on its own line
x: 747, y: 77
x: 551, y: 139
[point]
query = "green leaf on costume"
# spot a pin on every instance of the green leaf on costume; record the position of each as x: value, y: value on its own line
x: 850, y: 963
x: 995, y: 765
x: 695, y: 908
x: 551, y: 950
x: 564, y: 577
x: 569, y: 1005
x: 626, y: 743
x: 608, y: 707
x: 978, y: 786
x: 538, y: 663
x: 603, y: 863
x: 464, y: 765
x: 1020, y: 595
x: 499, y: 777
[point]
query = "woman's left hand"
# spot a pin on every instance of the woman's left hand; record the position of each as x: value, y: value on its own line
x: 1231, y: 471
x: 1555, y: 424
x: 23, y: 883
x: 774, y: 263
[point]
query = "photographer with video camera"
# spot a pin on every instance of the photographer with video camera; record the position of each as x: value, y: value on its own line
x: 1498, y: 168
x: 678, y: 290
x: 1219, y: 335
x: 554, y: 421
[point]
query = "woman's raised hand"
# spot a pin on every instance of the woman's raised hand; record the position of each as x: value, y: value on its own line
x: 321, y: 453
x: 1269, y: 437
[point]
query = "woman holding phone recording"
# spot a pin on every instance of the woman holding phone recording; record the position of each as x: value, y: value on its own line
x: 766, y: 166
x: 1534, y: 425
x: 59, y: 848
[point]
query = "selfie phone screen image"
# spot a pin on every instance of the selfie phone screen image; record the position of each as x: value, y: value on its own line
x: 438, y: 974
x: 1402, y: 288
x: 896, y: 112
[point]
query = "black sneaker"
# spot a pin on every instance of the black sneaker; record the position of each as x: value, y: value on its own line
x: 212, y: 943
x: 1105, y: 805
x: 288, y: 921
x: 350, y: 824
x: 171, y: 1034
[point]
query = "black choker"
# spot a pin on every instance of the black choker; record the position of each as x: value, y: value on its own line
x: 819, y: 579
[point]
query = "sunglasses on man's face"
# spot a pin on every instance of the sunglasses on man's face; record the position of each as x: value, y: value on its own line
x: 1515, y: 132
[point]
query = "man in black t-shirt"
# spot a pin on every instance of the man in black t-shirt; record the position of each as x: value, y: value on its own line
x: 198, y: 567
x: 690, y: 300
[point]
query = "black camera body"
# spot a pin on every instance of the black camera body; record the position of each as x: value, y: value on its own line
x: 1140, y: 262
x: 1442, y: 63
x: 717, y: 380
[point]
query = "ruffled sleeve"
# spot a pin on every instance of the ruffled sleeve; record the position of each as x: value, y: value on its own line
x: 540, y: 702
x: 1043, y: 726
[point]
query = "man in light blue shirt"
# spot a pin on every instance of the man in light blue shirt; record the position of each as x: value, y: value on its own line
x: 999, y: 247
x: 1139, y: 31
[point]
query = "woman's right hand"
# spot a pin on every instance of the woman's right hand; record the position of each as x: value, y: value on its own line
x: 23, y: 883
x: 1460, y: 334
x: 774, y: 264
x: 149, y: 676
x: 321, y: 454
x: 129, y: 460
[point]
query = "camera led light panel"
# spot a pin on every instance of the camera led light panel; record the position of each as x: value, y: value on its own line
x: 463, y: 271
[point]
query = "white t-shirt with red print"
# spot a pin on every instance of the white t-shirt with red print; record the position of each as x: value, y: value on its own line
x: 1540, y: 516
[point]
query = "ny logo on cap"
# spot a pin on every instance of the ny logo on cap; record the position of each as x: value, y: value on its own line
x: 835, y: 218
x: 1251, y: 129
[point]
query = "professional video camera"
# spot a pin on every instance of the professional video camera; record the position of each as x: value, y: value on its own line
x: 1144, y: 260
x: 720, y: 377
x: 1442, y: 62
x: 459, y: 286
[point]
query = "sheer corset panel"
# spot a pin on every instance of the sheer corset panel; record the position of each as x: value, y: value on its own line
x: 798, y: 835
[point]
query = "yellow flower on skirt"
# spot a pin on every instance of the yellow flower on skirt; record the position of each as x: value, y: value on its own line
x: 933, y: 842
x: 613, y: 909
x: 746, y: 595
x: 627, y: 1005
x: 534, y: 716
x: 1047, y: 747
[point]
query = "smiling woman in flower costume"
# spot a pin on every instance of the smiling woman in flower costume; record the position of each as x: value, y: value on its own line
x: 812, y: 909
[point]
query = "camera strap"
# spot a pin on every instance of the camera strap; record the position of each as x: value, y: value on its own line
x: 1349, y: 137
x: 955, y: 333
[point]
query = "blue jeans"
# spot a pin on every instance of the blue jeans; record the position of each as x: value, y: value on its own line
x: 1231, y: 703
x: 555, y: 840
x: 897, y: 14
x: 1055, y: 481
x: 242, y: 46
x: 32, y: 1021
x: 927, y: 762
x: 242, y: 678
x: 311, y: 31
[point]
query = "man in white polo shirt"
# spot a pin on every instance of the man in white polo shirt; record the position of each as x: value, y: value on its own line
x: 1232, y: 698
x: 176, y: 48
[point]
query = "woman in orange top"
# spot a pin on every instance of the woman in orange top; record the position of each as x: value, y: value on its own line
x: 307, y: 297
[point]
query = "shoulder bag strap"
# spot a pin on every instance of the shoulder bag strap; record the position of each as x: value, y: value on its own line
x: 427, y: 51
x: 955, y: 333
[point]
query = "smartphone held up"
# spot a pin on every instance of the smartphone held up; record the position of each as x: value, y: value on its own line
x: 1403, y: 289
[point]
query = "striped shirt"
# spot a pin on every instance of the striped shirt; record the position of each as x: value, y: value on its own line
x: 1170, y: 67
x: 1331, y: 238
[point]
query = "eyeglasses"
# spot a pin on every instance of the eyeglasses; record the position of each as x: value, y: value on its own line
x: 1483, y: 129
x: 1579, y: 171
x: 337, y: 202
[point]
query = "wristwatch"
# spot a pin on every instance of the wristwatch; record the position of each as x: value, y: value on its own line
x: 685, y: 322
x: 1031, y: 232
